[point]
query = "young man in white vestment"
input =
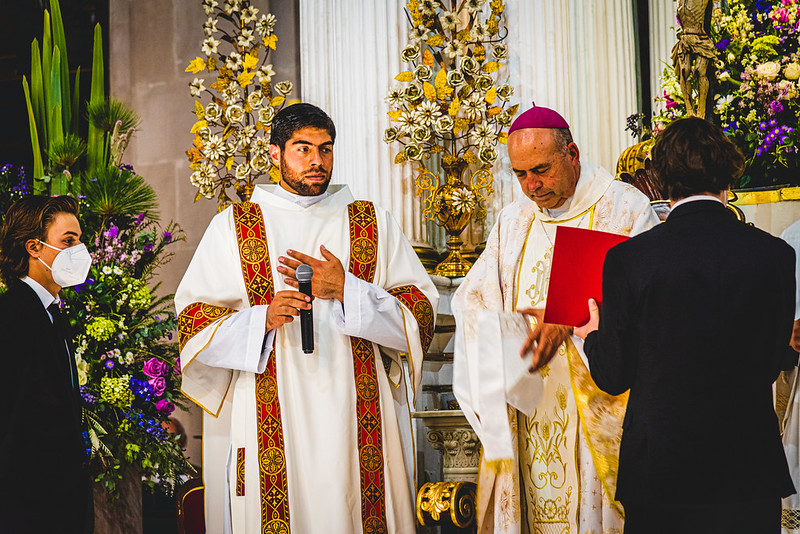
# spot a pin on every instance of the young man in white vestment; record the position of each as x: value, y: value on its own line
x: 554, y: 469
x: 292, y: 441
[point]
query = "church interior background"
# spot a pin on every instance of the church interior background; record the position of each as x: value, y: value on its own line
x: 597, y: 62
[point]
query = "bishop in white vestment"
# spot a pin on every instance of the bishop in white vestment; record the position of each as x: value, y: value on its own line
x: 296, y: 442
x: 554, y: 471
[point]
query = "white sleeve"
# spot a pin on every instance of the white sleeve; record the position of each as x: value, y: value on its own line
x: 240, y: 343
x: 370, y: 312
x: 792, y: 236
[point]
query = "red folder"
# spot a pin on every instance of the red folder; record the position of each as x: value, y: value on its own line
x: 576, y: 274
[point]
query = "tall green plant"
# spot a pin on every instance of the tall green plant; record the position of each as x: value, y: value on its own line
x: 53, y: 106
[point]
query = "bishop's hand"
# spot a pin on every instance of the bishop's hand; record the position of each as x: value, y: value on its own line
x: 544, y: 339
x: 328, y: 279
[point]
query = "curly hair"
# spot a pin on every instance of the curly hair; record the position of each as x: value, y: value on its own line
x: 28, y: 218
x: 693, y: 156
x: 293, y: 118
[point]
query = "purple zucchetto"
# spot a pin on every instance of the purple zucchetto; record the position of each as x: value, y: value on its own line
x: 538, y: 117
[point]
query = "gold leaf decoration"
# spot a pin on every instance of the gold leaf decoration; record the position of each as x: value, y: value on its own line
x: 427, y: 58
x: 460, y: 124
x: 271, y: 41
x: 250, y: 60
x: 435, y: 149
x: 277, y: 101
x: 430, y: 91
x: 491, y: 95
x: 196, y: 65
x: 503, y: 138
x: 435, y: 40
x: 245, y: 78
x: 229, y: 163
x: 395, y: 115
x: 470, y: 157
x: 405, y: 76
x: 199, y: 124
x: 448, y: 159
x: 513, y: 109
x: 400, y: 157
x: 199, y: 111
x: 492, y: 66
x: 480, y: 53
x: 275, y: 174
x: 491, y: 112
x: 454, y: 107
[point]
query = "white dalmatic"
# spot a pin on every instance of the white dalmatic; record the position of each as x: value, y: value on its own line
x: 317, y: 391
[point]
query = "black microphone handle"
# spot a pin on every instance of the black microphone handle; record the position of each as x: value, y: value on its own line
x: 307, y: 321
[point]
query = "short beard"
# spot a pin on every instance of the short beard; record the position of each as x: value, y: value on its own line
x: 295, y: 181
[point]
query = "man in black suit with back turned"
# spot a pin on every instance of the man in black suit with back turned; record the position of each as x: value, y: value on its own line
x: 696, y: 319
x: 44, y: 482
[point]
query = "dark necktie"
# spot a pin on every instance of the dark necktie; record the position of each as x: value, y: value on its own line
x: 61, y: 329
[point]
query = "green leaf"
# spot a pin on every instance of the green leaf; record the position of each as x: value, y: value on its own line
x: 37, y: 90
x: 47, y: 54
x: 96, y: 96
x: 38, y: 167
x: 56, y: 131
x: 60, y: 43
x: 76, y: 103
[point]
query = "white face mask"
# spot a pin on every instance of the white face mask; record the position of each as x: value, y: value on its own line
x: 70, y: 266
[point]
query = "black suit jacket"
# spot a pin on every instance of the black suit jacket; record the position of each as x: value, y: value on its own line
x: 44, y: 484
x: 696, y: 319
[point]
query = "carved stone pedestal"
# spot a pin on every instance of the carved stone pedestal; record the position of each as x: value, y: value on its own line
x: 450, y: 504
x: 450, y: 434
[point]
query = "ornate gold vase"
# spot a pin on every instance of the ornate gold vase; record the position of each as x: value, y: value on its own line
x: 452, y: 204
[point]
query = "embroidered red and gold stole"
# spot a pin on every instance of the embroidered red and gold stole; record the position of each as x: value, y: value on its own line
x: 251, y: 235
x: 363, y: 260
x: 256, y: 270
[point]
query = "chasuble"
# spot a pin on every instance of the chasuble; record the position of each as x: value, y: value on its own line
x: 554, y: 471
x: 296, y: 442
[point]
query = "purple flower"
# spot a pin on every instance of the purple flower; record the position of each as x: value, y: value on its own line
x: 140, y: 218
x: 178, y: 365
x: 109, y: 364
x: 723, y: 45
x: 167, y: 237
x: 775, y: 106
x: 111, y: 233
x: 164, y: 406
x: 159, y: 385
x: 81, y: 287
x: 155, y: 368
x: 148, y: 247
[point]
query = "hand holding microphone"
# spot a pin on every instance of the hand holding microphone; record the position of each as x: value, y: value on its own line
x: 304, y: 273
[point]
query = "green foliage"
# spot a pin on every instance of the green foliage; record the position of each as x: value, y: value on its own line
x: 116, y: 195
x: 66, y: 152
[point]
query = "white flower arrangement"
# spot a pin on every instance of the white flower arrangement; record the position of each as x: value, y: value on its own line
x: 452, y: 102
x: 231, y: 135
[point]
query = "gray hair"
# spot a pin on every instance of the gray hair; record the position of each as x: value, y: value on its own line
x: 562, y: 138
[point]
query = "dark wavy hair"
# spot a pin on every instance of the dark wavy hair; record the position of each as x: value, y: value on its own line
x: 28, y: 218
x: 293, y: 118
x: 693, y: 156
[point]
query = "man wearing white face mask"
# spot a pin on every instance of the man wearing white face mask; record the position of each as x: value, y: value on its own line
x: 44, y: 482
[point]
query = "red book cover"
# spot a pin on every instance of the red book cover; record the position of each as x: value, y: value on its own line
x: 576, y: 274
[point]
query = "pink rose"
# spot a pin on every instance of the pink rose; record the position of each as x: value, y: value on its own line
x: 155, y: 368
x: 164, y: 406
x: 159, y: 385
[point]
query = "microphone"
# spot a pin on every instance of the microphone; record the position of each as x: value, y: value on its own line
x: 303, y: 274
